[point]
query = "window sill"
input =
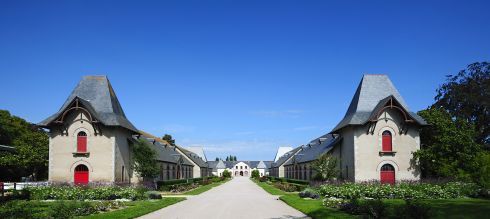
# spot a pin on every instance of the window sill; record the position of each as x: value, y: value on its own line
x: 81, y: 154
x: 387, y: 153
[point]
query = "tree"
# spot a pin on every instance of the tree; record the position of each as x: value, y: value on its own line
x: 169, y: 139
x: 466, y: 97
x: 234, y: 158
x: 144, y: 159
x: 255, y: 174
x: 217, y: 159
x: 227, y: 158
x: 448, y: 146
x: 325, y: 167
x: 31, y: 148
x: 226, y: 174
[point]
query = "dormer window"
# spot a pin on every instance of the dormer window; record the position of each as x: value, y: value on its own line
x: 82, y: 142
x: 387, y: 142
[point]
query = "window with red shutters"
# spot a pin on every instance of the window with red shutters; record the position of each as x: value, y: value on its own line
x: 82, y: 142
x: 387, y: 141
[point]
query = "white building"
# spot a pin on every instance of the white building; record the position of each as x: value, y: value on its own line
x: 240, y: 168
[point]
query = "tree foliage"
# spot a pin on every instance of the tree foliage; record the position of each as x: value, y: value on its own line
x: 448, y: 146
x: 169, y: 139
x: 231, y: 158
x: 466, y: 97
x: 144, y: 159
x: 255, y: 174
x: 31, y: 148
x: 325, y: 167
x: 226, y: 174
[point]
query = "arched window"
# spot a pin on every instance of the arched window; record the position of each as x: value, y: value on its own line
x: 387, y: 174
x: 387, y: 141
x: 82, y: 142
x: 81, y: 175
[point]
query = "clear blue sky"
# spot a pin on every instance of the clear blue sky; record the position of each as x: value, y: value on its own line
x: 237, y: 77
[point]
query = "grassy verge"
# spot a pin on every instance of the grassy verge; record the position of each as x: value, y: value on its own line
x: 137, y: 208
x: 270, y: 188
x: 204, y: 188
x: 313, y: 207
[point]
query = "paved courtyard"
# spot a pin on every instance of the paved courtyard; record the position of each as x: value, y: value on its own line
x: 239, y: 198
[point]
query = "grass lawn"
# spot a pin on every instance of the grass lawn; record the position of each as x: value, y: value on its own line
x: 204, y: 188
x: 270, y: 188
x: 138, y: 208
x: 450, y: 208
x: 313, y: 207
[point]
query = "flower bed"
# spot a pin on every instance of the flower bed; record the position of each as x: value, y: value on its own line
x: 84, y: 193
x: 399, y: 191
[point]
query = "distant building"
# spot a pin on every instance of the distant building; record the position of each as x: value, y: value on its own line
x: 374, y: 141
x: 90, y: 140
x: 240, y: 168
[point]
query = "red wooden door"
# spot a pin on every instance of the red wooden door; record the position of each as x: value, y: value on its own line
x: 387, y: 141
x: 387, y: 174
x: 81, y: 175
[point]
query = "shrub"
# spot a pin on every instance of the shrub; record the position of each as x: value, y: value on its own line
x: 309, y: 193
x: 84, y: 193
x: 399, y: 191
x: 289, y: 187
x: 16, y: 209
x: 264, y: 179
x: 374, y: 208
x: 255, y: 174
x: 227, y: 174
x: 63, y: 209
x: 153, y: 195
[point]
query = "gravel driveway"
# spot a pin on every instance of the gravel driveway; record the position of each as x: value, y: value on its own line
x: 239, y: 198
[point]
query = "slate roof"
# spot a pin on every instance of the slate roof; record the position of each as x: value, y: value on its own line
x: 199, y: 151
x: 315, y: 148
x: 281, y: 151
x: 215, y: 165
x: 165, y: 153
x: 97, y: 94
x: 371, y: 90
x: 194, y: 157
x: 285, y: 157
x: 251, y: 164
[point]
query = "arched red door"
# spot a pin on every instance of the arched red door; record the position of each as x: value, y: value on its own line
x: 81, y: 175
x: 387, y: 174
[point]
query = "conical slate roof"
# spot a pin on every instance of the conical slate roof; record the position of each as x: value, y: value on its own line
x: 99, y: 94
x: 371, y: 90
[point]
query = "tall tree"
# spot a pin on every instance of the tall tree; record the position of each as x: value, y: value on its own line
x: 325, y: 167
x: 169, y: 139
x: 217, y: 159
x: 31, y: 148
x: 448, y: 146
x: 144, y: 159
x: 466, y: 96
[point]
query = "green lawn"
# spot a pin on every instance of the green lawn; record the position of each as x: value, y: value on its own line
x: 137, y: 208
x: 313, y: 207
x: 202, y: 189
x: 450, y: 208
x: 270, y: 188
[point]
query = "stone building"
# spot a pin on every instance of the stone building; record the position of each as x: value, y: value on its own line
x: 240, y: 168
x: 90, y: 140
x: 374, y: 141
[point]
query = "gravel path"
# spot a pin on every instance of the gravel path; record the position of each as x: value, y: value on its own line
x: 238, y: 198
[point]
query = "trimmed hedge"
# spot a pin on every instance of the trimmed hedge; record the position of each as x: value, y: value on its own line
x: 400, y: 191
x: 84, y: 193
x: 294, y: 181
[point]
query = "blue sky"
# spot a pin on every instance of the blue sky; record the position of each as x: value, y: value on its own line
x: 237, y: 77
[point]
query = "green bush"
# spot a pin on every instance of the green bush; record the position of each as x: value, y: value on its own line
x: 84, y: 193
x: 400, y: 191
x: 153, y: 195
x: 63, y: 209
x: 309, y: 193
x: 226, y: 174
x: 16, y: 209
x: 255, y: 174
x: 296, y: 181
x: 173, y: 182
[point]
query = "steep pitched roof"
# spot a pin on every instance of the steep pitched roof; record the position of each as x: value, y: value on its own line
x: 96, y: 93
x: 286, y: 157
x: 165, y: 153
x: 315, y: 148
x: 194, y: 157
x: 371, y: 91
x: 199, y: 151
x: 281, y: 151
